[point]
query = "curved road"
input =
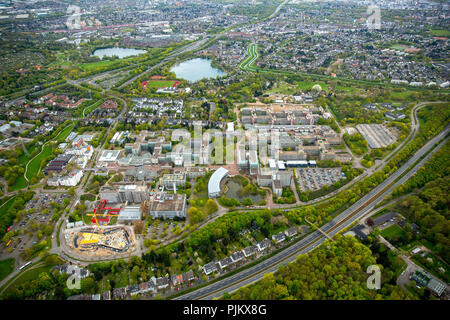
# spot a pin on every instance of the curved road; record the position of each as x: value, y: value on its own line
x: 342, y: 221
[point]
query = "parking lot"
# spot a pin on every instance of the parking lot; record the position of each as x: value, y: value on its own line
x: 311, y: 179
x: 37, y: 211
x: 41, y: 202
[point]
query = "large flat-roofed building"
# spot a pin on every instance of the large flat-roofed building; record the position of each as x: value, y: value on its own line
x: 58, y: 164
x: 253, y: 162
x: 276, y: 187
x: 133, y: 193
x: 194, y: 172
x: 248, y: 160
x: 214, y: 182
x: 130, y: 193
x: 129, y: 214
x: 171, y: 180
x: 168, y: 206
x: 109, y: 156
x: 377, y: 135
x: 242, y: 159
x: 140, y: 174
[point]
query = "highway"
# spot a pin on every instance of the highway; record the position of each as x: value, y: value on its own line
x: 194, y: 46
x: 278, y: 9
x: 189, y: 47
x: 354, y: 213
x: 413, y: 132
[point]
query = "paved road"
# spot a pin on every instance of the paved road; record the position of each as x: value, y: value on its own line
x: 414, y: 129
x: 411, y: 268
x: 16, y: 272
x: 278, y: 9
x: 189, y: 47
x: 358, y: 210
x: 80, y: 190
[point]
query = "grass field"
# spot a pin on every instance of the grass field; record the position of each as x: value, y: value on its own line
x: 21, y: 183
x: 61, y: 137
x: 440, y: 33
x: 4, y: 208
x: 307, y: 85
x: 282, y: 88
x: 94, y: 65
x: 392, y: 232
x: 6, y: 267
x: 91, y: 107
x: 159, y: 83
x: 35, y: 164
x: 29, y: 275
x: 400, y: 48
x: 24, y: 158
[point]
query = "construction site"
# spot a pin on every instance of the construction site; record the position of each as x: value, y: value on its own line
x: 98, y: 239
x: 100, y: 242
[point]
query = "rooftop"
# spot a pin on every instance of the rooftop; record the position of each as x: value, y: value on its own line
x: 168, y: 202
x: 216, y: 178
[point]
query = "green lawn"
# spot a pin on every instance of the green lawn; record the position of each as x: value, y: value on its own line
x: 6, y: 267
x: 20, y: 184
x: 400, y: 48
x: 307, y: 85
x: 61, y: 137
x: 29, y: 275
x: 91, y: 107
x: 440, y: 33
x: 6, y: 206
x: 24, y: 158
x: 160, y: 83
x: 392, y: 231
x: 94, y: 65
x: 35, y: 164
x: 282, y: 88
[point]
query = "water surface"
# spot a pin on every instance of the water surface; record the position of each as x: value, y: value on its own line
x: 197, y: 69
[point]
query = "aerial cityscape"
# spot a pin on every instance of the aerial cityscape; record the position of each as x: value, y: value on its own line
x: 224, y: 150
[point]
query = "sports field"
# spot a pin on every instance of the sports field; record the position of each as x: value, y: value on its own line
x: 159, y: 83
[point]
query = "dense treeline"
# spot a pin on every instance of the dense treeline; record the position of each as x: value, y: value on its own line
x: 429, y: 210
x: 433, y: 121
x: 335, y: 270
x: 7, y: 217
x: 436, y: 168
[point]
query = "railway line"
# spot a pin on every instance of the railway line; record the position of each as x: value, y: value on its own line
x: 352, y: 214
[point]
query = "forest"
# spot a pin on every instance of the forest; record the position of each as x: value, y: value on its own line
x: 334, y: 271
